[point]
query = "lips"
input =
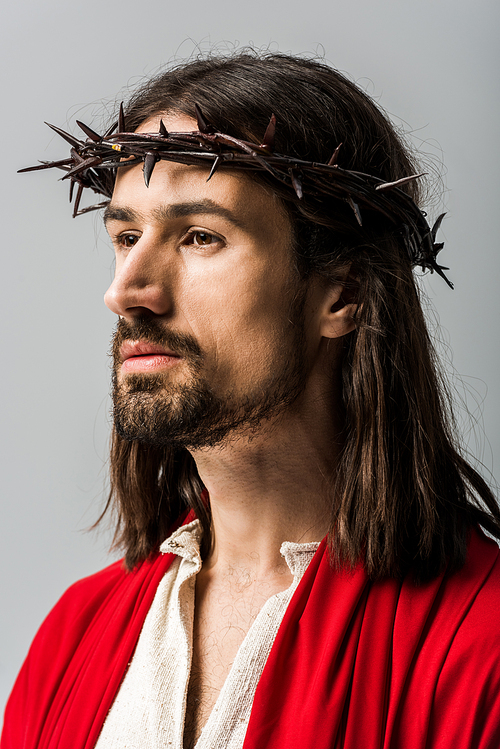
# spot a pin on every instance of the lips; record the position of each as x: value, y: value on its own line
x: 141, y: 356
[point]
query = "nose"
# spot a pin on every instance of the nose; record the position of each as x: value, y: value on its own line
x: 142, y: 283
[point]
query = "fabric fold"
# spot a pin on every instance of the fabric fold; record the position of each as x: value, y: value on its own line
x: 355, y: 664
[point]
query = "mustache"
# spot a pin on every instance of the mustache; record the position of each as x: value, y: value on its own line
x: 148, y: 329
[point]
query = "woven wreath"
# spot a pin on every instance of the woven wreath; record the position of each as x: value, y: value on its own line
x: 93, y: 163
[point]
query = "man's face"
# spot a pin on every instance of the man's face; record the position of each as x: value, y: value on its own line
x: 211, y: 338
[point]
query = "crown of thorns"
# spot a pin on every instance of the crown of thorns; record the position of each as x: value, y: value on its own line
x: 92, y: 164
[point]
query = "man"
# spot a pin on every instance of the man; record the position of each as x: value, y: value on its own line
x: 304, y: 565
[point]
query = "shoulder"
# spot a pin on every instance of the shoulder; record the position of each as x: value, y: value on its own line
x: 474, y: 595
x: 95, y: 586
x: 81, y: 650
x: 479, y: 628
x: 469, y: 682
x: 107, y: 599
x: 84, y: 598
x: 482, y: 574
x: 72, y: 616
x: 50, y: 654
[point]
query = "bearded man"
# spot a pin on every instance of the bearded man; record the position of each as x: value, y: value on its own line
x: 304, y: 564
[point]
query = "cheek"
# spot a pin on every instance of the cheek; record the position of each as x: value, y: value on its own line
x: 241, y: 303
x: 236, y: 304
x: 246, y: 332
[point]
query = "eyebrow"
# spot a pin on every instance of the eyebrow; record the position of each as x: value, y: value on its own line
x: 114, y: 213
x: 173, y: 211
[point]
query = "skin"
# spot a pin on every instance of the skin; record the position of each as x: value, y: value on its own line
x: 223, y: 273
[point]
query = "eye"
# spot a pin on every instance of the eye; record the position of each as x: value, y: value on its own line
x: 127, y: 240
x: 203, y: 238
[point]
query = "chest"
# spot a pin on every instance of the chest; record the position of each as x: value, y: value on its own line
x: 224, y: 613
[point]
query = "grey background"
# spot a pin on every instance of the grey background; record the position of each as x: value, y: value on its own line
x: 433, y: 63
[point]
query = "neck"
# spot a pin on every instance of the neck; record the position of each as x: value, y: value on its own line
x: 271, y: 487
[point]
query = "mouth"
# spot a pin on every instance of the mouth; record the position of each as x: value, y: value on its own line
x: 141, y: 356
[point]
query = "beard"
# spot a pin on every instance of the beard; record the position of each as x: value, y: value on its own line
x: 153, y: 410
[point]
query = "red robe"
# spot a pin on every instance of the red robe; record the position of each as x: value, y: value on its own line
x: 354, y: 665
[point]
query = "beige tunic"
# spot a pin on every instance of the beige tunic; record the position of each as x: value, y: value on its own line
x: 149, y: 709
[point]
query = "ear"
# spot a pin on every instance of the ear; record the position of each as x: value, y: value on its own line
x: 338, y: 309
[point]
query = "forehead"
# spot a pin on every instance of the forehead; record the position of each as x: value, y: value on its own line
x: 174, y: 122
x: 179, y: 189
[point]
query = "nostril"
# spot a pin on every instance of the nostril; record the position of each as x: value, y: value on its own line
x: 136, y: 289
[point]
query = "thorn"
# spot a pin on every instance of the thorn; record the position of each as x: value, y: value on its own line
x: 214, y: 167
x: 398, y: 182
x: 83, y: 165
x: 77, y: 159
x: 71, y: 186
x: 437, y: 248
x: 355, y: 208
x: 439, y: 270
x: 67, y: 137
x: 77, y: 200
x: 268, y: 139
x: 203, y: 125
x: 47, y: 165
x: 93, y: 207
x: 296, y: 182
x: 88, y: 131
x: 333, y: 159
x: 150, y: 160
x: 163, y: 130
x: 110, y: 130
x: 121, y: 120
x: 437, y: 225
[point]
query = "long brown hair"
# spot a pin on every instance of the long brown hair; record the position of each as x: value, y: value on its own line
x: 403, y: 496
